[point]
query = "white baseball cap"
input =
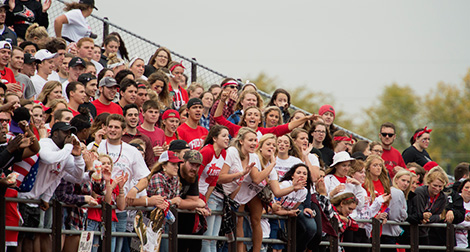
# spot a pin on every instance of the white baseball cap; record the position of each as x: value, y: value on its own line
x: 44, y: 54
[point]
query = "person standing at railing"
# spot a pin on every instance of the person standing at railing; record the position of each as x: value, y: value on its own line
x: 72, y: 25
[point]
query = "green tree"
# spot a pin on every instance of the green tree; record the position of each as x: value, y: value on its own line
x: 398, y: 105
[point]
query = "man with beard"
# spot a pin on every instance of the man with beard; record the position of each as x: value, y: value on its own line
x: 188, y: 223
x: 108, y: 89
x: 191, y: 131
x: 391, y: 156
x: 131, y: 113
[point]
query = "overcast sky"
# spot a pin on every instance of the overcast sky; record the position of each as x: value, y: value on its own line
x: 350, y: 49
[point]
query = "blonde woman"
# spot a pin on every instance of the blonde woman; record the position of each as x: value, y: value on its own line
x: 51, y: 91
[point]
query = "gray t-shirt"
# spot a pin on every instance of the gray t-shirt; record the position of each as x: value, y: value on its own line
x: 26, y: 85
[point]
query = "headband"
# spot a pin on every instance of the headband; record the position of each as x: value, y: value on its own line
x: 350, y: 198
x: 342, y: 138
x: 232, y: 82
x: 133, y: 60
x: 419, y: 133
x: 180, y: 64
x: 120, y: 63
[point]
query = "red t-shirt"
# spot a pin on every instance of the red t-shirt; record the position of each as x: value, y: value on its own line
x: 74, y: 113
x: 169, y: 139
x: 95, y: 213
x: 194, y: 137
x: 157, y: 137
x: 392, y: 158
x: 233, y: 128
x: 8, y: 75
x: 112, y: 108
x: 341, y: 179
x: 379, y: 188
x: 12, y: 217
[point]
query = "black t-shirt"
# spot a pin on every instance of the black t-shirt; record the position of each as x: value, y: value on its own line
x: 26, y: 13
x: 186, y: 188
x: 7, y: 159
x: 411, y: 154
x: 327, y: 155
x: 149, y: 69
x: 90, y: 107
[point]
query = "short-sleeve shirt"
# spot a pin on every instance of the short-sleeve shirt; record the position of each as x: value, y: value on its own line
x: 186, y: 188
x: 8, y: 75
x: 112, y: 108
x: 291, y: 199
x: 283, y: 166
x: 157, y: 137
x: 194, y: 137
x: 210, y: 168
x: 77, y: 26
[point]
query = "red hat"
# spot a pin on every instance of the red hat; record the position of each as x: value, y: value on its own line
x: 170, y: 113
x: 429, y: 165
x: 326, y: 108
x: 169, y: 156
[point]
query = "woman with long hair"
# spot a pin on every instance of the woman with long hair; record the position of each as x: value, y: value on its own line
x: 287, y: 155
x: 272, y: 117
x: 253, y: 120
x: 160, y: 59
x: 299, y: 114
x: 321, y: 139
x: 399, y: 193
x: 110, y: 45
x: 72, y: 26
x: 461, y: 235
x: 213, y: 158
x: 342, y: 142
x: 281, y: 99
x: 247, y: 98
x: 300, y: 137
x: 417, y: 151
x: 122, y: 51
x: 51, y: 91
x: 158, y: 82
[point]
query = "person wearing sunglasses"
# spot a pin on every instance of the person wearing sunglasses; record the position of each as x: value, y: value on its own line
x: 226, y: 84
x: 391, y: 156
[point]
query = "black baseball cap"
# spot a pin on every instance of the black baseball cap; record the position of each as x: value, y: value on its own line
x: 64, y: 126
x: 86, y: 77
x: 30, y: 59
x: 177, y: 145
x: 194, y: 101
x: 89, y: 2
x: 76, y: 61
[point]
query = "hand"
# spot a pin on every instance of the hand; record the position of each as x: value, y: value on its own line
x: 158, y: 200
x: 396, y: 169
x: 122, y: 180
x: 337, y: 189
x: 130, y: 197
x: 46, y: 5
x: 203, y: 211
x: 176, y: 201
x: 106, y: 173
x: 89, y: 157
x: 99, y: 135
x: 24, y: 126
x: 68, y: 139
x: 14, y: 88
x: 320, y: 186
x: 273, y: 160
x: 6, y: 182
x: 467, y: 217
x: 14, y: 144
x: 90, y: 200
x: 8, y: 107
x: 165, y: 147
x: 387, y: 197
x: 44, y: 205
x: 248, y: 169
x: 427, y: 215
x: 158, y: 150
x: 382, y: 216
x: 25, y: 142
x: 352, y: 181
x: 299, y: 184
x: 224, y: 95
x: 72, y: 48
x: 234, y: 95
x: 77, y: 148
x: 42, y: 131
x: 313, y: 117
x: 307, y: 150
x: 307, y: 212
x: 450, y: 216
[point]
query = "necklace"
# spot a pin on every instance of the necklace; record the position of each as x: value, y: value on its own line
x: 3, y: 72
x: 120, y: 151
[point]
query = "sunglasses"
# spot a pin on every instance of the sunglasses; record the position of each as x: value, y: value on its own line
x: 387, y: 134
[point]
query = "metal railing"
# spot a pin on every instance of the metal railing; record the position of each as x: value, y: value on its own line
x: 140, y: 46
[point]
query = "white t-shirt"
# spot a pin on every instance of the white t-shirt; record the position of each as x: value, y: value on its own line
x: 54, y: 76
x: 127, y: 159
x: 38, y: 83
x: 284, y: 165
x: 64, y: 87
x: 77, y: 26
x: 290, y: 200
x: 313, y: 159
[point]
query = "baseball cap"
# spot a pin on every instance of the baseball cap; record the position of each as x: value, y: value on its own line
x: 4, y: 4
x: 5, y: 45
x: 177, y: 145
x: 170, y: 113
x: 76, y: 61
x: 108, y: 82
x: 169, y: 156
x: 194, y: 101
x: 193, y: 156
x: 86, y: 77
x: 89, y: 2
x: 64, y: 126
x: 30, y: 59
x: 44, y: 54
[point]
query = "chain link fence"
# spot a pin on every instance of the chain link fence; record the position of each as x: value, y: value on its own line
x: 139, y: 46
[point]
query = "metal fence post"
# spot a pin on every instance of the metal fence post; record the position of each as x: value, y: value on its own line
x: 450, y: 237
x: 56, y: 226
x: 2, y: 218
x: 107, y: 221
x: 334, y: 240
x: 105, y: 27
x: 414, y: 237
x: 193, y: 70
x: 173, y: 232
x: 232, y: 246
x: 375, y: 235
x: 291, y: 234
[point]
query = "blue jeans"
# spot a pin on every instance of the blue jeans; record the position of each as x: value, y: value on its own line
x: 97, y: 226
x: 120, y: 227
x: 213, y: 223
x: 164, y: 246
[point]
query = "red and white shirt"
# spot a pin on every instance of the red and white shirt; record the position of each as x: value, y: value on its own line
x: 210, y: 168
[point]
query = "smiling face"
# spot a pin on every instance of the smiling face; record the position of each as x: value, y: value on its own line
x: 268, y: 149
x: 342, y: 168
x: 108, y: 93
x: 46, y: 66
x: 162, y: 59
x: 222, y: 139
x: 249, y: 142
x: 138, y: 68
x: 283, y: 144
x: 132, y: 118
x: 114, y: 130
x: 360, y: 176
x: 55, y: 94
x: 466, y: 190
x: 252, y: 118
x: 346, y: 209
x: 37, y: 115
x: 91, y: 87
x: 5, y: 55
x: 272, y: 118
x: 171, y: 169
x: 129, y: 95
x: 158, y: 86
x: 435, y: 187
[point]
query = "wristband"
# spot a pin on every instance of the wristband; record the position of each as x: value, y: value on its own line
x: 96, y: 145
x: 136, y: 188
x: 146, y: 201
x: 169, y: 201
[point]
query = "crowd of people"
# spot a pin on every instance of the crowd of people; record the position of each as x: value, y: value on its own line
x: 86, y: 124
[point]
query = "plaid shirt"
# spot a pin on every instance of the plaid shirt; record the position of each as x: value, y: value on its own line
x: 205, y: 121
x: 67, y: 194
x: 161, y: 184
x: 228, y: 111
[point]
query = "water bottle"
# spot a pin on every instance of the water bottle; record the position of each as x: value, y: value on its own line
x: 170, y: 218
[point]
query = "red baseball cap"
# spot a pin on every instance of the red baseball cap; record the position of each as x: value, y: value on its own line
x: 169, y: 156
x: 170, y: 113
